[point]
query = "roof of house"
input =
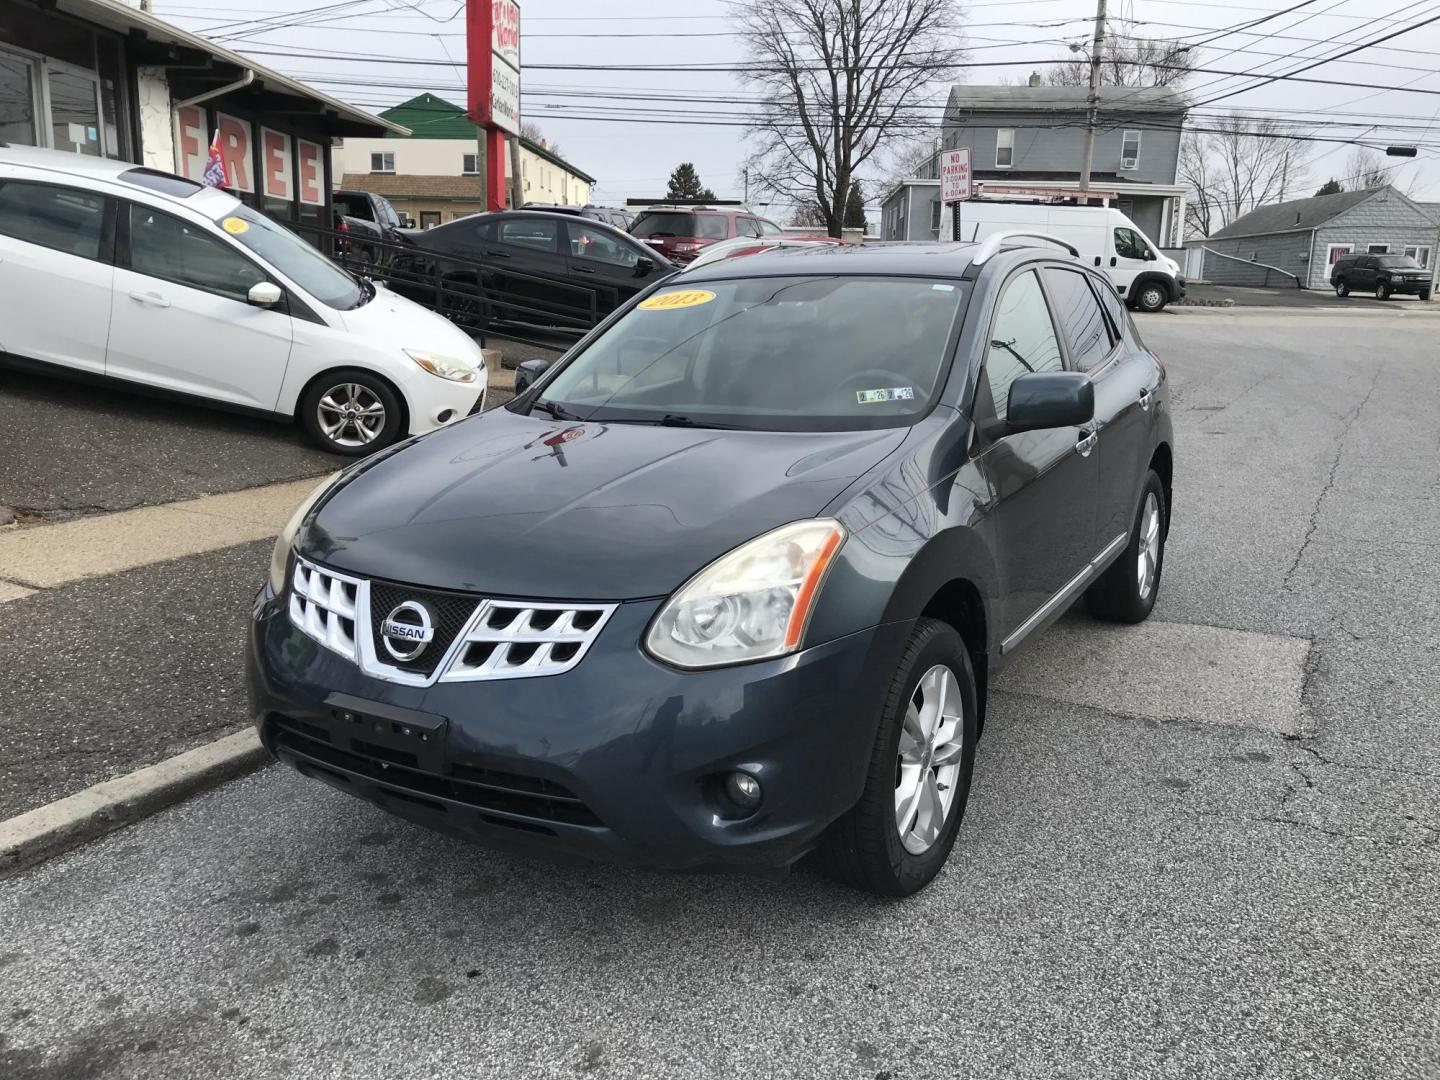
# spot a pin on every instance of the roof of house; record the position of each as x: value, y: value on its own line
x: 408, y: 186
x: 129, y: 20
x: 1297, y: 215
x: 430, y: 117
x: 1113, y: 99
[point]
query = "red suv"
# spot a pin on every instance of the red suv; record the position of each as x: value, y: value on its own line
x: 681, y: 232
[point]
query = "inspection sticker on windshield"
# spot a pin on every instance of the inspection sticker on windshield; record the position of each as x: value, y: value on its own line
x: 670, y: 301
x: 893, y: 393
x: 235, y: 226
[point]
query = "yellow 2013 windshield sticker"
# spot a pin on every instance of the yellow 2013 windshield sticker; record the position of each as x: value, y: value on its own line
x: 672, y: 301
x: 235, y: 226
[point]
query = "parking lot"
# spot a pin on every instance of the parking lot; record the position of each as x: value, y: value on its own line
x: 1208, y: 845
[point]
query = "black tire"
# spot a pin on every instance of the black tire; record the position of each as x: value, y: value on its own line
x: 1382, y: 290
x: 349, y: 441
x: 1117, y: 595
x: 1342, y: 288
x: 1424, y: 294
x: 864, y: 848
x: 1151, y: 297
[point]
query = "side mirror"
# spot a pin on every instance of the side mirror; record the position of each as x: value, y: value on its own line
x: 1050, y: 399
x: 527, y: 373
x: 264, y: 294
x: 643, y: 266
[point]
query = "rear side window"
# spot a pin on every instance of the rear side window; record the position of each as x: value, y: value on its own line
x: 530, y: 233
x: 1115, y: 308
x: 1022, y: 338
x: 1078, y: 313
x: 54, y: 217
x: 165, y: 247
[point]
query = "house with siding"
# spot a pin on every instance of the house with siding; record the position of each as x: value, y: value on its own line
x: 1028, y: 142
x: 1304, y: 237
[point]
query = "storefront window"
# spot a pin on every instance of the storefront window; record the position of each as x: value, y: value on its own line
x: 17, y: 100
x: 74, y: 111
x: 112, y: 98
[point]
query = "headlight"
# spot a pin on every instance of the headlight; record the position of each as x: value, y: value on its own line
x: 280, y: 557
x: 447, y: 367
x: 752, y: 604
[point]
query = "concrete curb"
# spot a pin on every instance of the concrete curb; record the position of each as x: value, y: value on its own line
x: 50, y: 830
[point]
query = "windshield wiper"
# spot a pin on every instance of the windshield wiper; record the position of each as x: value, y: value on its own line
x: 672, y: 420
x: 554, y: 411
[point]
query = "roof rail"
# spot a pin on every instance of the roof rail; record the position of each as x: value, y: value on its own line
x: 994, y: 241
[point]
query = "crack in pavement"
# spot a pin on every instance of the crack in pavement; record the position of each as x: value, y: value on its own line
x: 1330, y: 479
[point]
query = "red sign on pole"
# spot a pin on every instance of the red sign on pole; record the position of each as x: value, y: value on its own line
x: 955, y: 175
x: 492, y: 38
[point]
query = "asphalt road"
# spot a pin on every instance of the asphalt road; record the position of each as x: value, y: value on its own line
x: 1188, y: 884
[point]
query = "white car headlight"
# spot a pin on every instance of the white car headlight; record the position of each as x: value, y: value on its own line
x: 752, y: 604
x: 280, y: 557
x: 447, y: 367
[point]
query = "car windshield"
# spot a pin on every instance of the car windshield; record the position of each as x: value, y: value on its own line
x: 294, y: 258
x: 767, y: 354
x: 1399, y: 262
x: 702, y: 226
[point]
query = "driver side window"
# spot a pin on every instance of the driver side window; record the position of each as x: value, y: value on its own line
x: 1129, y: 245
x: 1022, y: 338
x: 600, y: 245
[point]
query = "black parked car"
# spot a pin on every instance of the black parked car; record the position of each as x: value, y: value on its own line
x: 523, y: 266
x: 369, y: 224
x: 1384, y: 275
x: 727, y: 584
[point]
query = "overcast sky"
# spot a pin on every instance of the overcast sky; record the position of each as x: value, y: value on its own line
x: 592, y: 114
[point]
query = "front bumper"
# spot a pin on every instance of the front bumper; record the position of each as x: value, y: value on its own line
x: 616, y: 760
x: 1179, y: 286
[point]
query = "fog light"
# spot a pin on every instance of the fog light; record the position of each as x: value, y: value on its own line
x: 743, y: 790
x: 446, y: 416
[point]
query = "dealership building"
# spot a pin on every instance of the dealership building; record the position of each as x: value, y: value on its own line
x: 104, y: 78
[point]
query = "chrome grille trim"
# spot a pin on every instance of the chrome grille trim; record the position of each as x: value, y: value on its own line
x: 509, y: 628
x: 325, y: 605
x: 526, y: 639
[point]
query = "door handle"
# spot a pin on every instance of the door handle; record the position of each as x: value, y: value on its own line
x: 1097, y: 260
x: 498, y: 254
x: 1085, y: 445
x: 1112, y: 260
x: 582, y: 269
x: 153, y: 299
x: 1145, y: 399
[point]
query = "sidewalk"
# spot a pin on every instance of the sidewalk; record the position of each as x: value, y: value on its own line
x: 1201, y: 295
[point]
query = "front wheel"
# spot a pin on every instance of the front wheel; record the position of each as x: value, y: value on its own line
x: 1126, y: 591
x: 1382, y: 291
x: 1151, y: 297
x: 351, y: 412
x: 898, y: 836
x: 1424, y: 294
x: 1342, y: 289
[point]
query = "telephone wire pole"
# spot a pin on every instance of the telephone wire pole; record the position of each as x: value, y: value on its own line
x: 1092, y: 112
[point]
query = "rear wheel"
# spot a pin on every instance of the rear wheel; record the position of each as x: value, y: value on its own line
x: 351, y: 412
x: 1152, y: 297
x: 1382, y: 290
x: 1342, y: 288
x: 898, y: 836
x: 1424, y: 294
x: 1126, y: 591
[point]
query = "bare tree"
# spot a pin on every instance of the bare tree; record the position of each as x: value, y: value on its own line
x: 1129, y: 60
x: 531, y: 130
x: 836, y: 77
x: 1236, y: 166
x: 1364, y: 168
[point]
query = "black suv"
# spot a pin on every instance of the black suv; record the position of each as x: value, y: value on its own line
x: 727, y: 583
x: 611, y: 215
x: 1384, y: 275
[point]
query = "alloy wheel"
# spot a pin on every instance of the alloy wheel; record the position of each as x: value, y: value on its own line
x: 1151, y: 300
x: 1147, y: 562
x: 351, y: 415
x: 927, y: 768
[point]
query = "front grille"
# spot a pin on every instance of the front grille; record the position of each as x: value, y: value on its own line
x: 510, y: 640
x: 498, y: 639
x: 492, y: 792
x: 324, y: 604
x: 449, y: 612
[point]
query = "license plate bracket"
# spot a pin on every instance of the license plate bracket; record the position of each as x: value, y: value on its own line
x: 394, y: 735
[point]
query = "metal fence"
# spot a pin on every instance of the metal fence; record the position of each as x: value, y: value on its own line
x: 481, y: 298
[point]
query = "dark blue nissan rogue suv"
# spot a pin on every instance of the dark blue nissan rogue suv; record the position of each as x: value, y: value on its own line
x: 725, y: 585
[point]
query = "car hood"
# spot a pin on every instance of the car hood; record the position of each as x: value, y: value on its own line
x: 523, y: 506
x: 390, y: 319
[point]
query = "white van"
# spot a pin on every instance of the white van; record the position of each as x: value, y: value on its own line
x: 117, y: 273
x: 1106, y: 238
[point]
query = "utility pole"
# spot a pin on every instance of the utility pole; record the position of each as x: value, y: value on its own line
x: 1092, y: 112
x: 480, y: 167
x: 1284, y: 174
x: 516, y: 183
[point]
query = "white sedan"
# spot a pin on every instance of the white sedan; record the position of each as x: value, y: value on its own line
x: 114, y: 272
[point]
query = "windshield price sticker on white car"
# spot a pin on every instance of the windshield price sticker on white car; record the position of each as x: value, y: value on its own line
x: 893, y: 393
